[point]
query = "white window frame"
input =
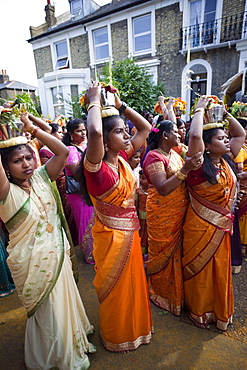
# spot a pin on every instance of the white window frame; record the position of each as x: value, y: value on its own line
x: 64, y: 57
x: 102, y: 44
x: 140, y: 34
x: 79, y: 11
x: 90, y: 31
x: 136, y: 14
x: 185, y: 8
x: 185, y: 90
x: 152, y: 67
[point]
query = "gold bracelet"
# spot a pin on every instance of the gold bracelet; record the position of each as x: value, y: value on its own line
x: 170, y: 110
x: 94, y: 105
x: 181, y: 176
x: 34, y: 130
x: 199, y: 110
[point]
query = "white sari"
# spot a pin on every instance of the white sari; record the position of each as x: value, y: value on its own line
x: 57, y: 325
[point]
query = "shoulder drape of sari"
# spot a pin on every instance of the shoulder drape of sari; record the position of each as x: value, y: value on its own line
x: 35, y: 255
x: 165, y: 215
x: 125, y: 316
x: 206, y: 250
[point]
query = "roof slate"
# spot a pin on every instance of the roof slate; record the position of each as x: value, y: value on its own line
x: 103, y: 11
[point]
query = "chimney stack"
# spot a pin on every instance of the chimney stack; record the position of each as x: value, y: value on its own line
x: 50, y: 14
x: 3, y: 77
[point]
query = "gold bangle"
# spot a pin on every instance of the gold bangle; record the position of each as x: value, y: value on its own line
x: 199, y: 110
x: 181, y: 176
x: 94, y: 105
x: 34, y: 131
x: 170, y: 110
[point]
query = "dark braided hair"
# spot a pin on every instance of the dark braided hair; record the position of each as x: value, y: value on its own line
x: 155, y: 137
x: 209, y: 170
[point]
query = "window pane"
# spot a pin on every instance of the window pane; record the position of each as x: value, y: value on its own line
x: 100, y: 36
x: 142, y: 24
x: 74, y: 90
x: 61, y: 49
x: 143, y: 43
x: 210, y: 6
x: 57, y: 95
x: 62, y: 63
x: 76, y: 6
x: 101, y: 52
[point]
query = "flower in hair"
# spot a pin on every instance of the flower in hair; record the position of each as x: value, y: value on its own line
x: 155, y: 129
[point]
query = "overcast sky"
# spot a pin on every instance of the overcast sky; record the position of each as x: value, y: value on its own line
x: 16, y: 54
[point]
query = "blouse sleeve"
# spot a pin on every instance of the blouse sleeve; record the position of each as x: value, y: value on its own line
x: 99, y: 177
x: 74, y: 155
x: 154, y: 164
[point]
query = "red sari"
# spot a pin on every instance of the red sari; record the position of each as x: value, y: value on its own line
x: 207, y: 248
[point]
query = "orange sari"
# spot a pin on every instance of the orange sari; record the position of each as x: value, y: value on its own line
x: 165, y: 215
x: 120, y: 281
x: 207, y: 250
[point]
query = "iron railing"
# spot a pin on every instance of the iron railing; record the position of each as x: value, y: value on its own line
x: 221, y: 30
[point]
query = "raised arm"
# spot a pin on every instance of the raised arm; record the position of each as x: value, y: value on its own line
x: 95, y: 146
x: 161, y: 100
x: 55, y: 165
x: 142, y: 125
x: 171, y: 113
x: 196, y: 143
x: 40, y: 122
x: 237, y: 134
x: 4, y: 188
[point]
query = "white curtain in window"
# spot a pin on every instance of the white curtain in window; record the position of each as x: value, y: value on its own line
x: 195, y: 12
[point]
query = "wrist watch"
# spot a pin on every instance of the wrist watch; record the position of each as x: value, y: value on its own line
x: 123, y: 107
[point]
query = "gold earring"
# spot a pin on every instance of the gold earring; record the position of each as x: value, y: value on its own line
x: 106, y: 148
x: 8, y: 174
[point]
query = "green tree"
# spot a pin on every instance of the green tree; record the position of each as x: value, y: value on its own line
x: 133, y: 83
x: 31, y: 106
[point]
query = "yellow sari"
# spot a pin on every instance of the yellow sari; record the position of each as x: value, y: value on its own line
x: 120, y: 281
x: 207, y: 251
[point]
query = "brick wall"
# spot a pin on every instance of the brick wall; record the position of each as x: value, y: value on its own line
x: 119, y: 34
x: 168, y: 30
x: 224, y: 64
x: 79, y: 50
x: 43, y: 61
x: 231, y: 7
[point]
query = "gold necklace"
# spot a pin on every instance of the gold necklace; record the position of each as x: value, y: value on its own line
x: 111, y: 165
x: 25, y: 187
x: 163, y: 152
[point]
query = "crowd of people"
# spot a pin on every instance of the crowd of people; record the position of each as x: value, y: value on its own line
x: 160, y: 214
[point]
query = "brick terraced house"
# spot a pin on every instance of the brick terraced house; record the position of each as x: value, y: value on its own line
x: 189, y: 45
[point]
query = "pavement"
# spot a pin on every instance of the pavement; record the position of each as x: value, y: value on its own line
x: 176, y: 344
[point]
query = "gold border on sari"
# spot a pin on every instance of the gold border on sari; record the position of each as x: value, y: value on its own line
x: 116, y: 217
x: 92, y: 167
x: 201, y: 260
x: 117, y: 268
x: 154, y: 168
